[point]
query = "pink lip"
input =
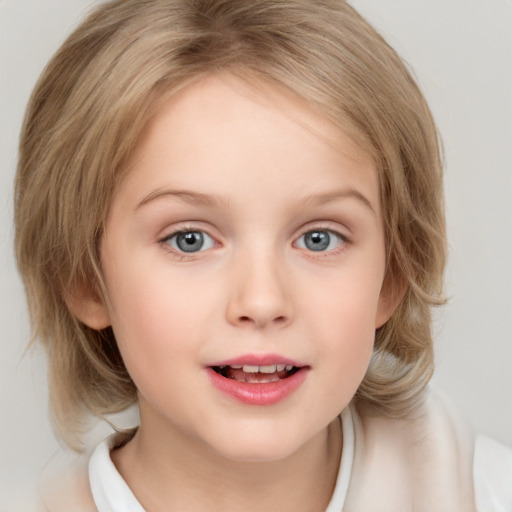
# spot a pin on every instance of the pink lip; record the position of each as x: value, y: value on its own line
x: 259, y: 360
x: 258, y: 393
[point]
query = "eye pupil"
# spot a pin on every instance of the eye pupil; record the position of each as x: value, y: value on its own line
x: 190, y: 242
x: 317, y: 240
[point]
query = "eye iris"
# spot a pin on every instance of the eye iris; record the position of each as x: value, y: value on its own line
x: 317, y: 240
x: 190, y: 242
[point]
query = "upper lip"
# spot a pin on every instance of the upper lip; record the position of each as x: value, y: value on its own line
x: 258, y: 360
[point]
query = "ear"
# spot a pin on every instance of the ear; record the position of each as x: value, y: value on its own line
x: 88, y: 306
x: 392, y: 292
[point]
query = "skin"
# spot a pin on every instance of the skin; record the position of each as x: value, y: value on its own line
x: 260, y: 169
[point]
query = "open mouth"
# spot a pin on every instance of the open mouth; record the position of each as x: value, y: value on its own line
x: 256, y: 374
x: 258, y: 380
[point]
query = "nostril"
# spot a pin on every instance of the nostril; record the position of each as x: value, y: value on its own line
x: 247, y: 319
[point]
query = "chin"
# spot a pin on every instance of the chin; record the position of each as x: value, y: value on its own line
x: 257, y: 445
x: 252, y: 454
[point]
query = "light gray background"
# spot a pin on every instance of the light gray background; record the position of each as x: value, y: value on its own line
x: 461, y: 53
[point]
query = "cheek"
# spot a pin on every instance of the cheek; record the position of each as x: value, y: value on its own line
x: 153, y: 332
x: 344, y: 323
x: 161, y: 317
x: 151, y: 315
x: 347, y: 302
x: 350, y: 327
x: 344, y: 360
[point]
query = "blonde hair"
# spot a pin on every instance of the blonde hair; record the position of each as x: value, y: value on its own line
x: 98, y: 92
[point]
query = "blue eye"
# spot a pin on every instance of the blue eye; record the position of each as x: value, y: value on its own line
x: 190, y: 241
x: 320, y: 240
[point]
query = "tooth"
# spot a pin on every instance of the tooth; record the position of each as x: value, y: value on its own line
x: 280, y: 367
x: 288, y: 367
x: 270, y: 378
x: 222, y: 366
x: 250, y: 369
x: 268, y: 369
x: 236, y: 366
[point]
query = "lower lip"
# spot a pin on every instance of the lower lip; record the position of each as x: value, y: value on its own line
x: 258, y: 393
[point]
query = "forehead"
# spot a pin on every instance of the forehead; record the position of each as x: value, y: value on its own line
x: 221, y: 128
x: 206, y: 94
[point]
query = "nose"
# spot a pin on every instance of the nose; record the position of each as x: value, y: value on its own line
x: 259, y: 294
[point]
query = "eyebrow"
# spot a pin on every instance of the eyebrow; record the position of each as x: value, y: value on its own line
x: 329, y: 197
x: 188, y: 196
x: 212, y: 201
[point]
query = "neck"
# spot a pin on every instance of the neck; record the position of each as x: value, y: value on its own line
x: 168, y: 471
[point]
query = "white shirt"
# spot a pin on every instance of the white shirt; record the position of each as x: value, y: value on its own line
x: 492, y: 471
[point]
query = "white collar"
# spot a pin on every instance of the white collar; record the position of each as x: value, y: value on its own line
x: 112, y: 494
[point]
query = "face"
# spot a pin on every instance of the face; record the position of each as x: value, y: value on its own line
x: 244, y: 257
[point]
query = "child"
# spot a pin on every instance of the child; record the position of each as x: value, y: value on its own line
x: 230, y: 213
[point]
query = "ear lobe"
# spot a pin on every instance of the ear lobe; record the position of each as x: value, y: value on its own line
x: 390, y: 296
x: 88, y: 307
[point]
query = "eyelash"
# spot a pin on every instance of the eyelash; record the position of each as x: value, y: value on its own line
x: 343, y: 242
x: 164, y: 242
